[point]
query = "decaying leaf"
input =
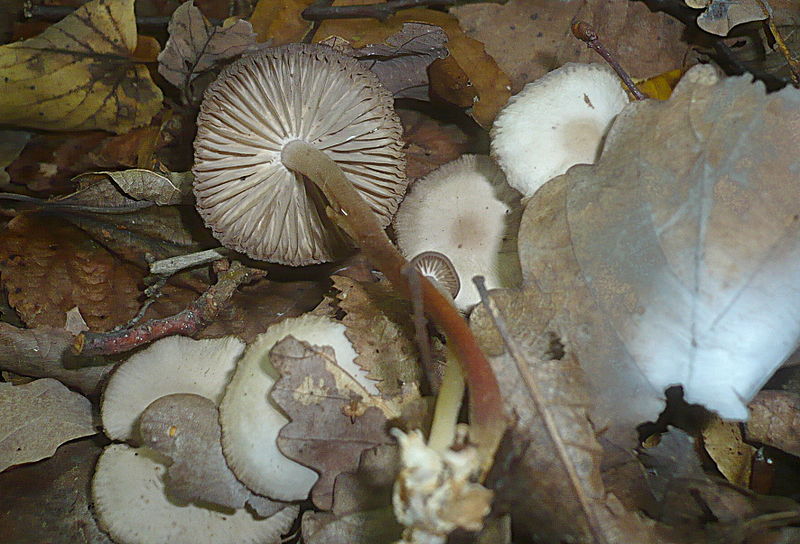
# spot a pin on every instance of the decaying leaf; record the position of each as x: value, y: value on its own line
x: 139, y: 184
x: 279, y: 23
x: 185, y: 428
x: 37, y: 417
x: 675, y: 260
x: 382, y: 334
x: 333, y: 418
x: 12, y: 142
x: 529, y: 469
x: 79, y: 74
x: 529, y: 38
x: 725, y: 444
x: 719, y: 16
x: 471, y: 78
x: 430, y: 143
x: 49, y: 501
x: 195, y: 47
x: 775, y: 420
x: 401, y: 61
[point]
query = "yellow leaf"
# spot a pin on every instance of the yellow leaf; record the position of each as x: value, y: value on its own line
x: 279, y: 21
x: 469, y: 68
x: 79, y: 74
x: 660, y: 86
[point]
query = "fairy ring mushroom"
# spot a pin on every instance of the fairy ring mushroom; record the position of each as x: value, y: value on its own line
x: 266, y: 112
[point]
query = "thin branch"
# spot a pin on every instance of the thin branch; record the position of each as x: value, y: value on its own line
x: 380, y: 12
x: 197, y: 316
x: 794, y: 65
x: 56, y: 13
x: 541, y: 407
x: 585, y: 33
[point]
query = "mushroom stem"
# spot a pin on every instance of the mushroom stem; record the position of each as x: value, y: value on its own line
x: 354, y: 215
x: 448, y: 404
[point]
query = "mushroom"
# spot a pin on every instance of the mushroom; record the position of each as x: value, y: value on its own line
x: 133, y: 507
x: 175, y: 364
x: 257, y: 119
x: 251, y: 421
x: 438, y: 268
x: 466, y: 211
x: 556, y: 122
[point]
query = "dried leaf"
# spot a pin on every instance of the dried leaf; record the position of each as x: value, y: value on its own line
x: 12, y: 142
x: 79, y: 74
x: 49, y: 501
x: 195, y: 47
x: 36, y: 418
x: 357, y: 528
x: 379, y: 327
x: 487, y: 86
x: 185, y: 428
x: 402, y: 60
x: 719, y: 16
x: 163, y: 189
x: 775, y: 420
x: 279, y: 23
x: 333, y: 419
x: 513, y: 31
x: 552, y: 501
x: 430, y: 143
x: 725, y: 444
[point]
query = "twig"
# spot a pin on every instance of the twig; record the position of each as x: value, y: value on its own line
x: 349, y: 210
x: 56, y: 13
x: 187, y: 322
x: 380, y: 11
x: 420, y: 324
x: 794, y: 65
x: 170, y: 266
x: 587, y: 35
x: 539, y: 403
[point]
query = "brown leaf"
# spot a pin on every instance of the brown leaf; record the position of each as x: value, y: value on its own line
x: 430, y: 143
x: 554, y: 498
x: 331, y: 424
x: 12, y: 142
x: 725, y: 444
x: 195, y: 47
x: 139, y: 184
x: 79, y: 74
x: 49, y: 501
x: 472, y: 71
x: 378, y: 324
x: 185, y: 428
x: 37, y: 417
x: 528, y: 38
x: 401, y: 61
x: 775, y: 420
x: 279, y: 23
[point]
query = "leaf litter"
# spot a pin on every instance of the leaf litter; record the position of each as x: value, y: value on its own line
x: 670, y: 261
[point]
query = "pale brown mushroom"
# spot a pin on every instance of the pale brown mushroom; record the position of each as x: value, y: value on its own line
x: 439, y: 268
x: 257, y: 118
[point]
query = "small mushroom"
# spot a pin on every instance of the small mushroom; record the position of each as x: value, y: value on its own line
x: 175, y: 364
x: 258, y: 116
x: 438, y: 268
x: 133, y: 508
x: 466, y: 211
x: 556, y: 122
x: 251, y: 421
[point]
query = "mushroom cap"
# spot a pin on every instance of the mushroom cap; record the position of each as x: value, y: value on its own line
x: 175, y: 364
x: 132, y: 506
x: 556, y: 122
x: 465, y: 210
x: 251, y: 421
x: 250, y: 200
x: 440, y: 269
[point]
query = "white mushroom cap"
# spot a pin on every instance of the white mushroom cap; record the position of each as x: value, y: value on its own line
x: 132, y: 506
x: 556, y: 122
x: 251, y: 201
x: 466, y: 211
x: 175, y: 364
x: 251, y: 421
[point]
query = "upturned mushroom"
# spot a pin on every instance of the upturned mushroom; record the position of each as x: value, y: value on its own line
x: 556, y: 122
x: 466, y: 211
x: 273, y: 119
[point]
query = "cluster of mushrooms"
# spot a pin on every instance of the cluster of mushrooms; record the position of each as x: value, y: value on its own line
x: 263, y: 116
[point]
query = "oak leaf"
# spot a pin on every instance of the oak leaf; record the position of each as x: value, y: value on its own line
x: 79, y: 74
